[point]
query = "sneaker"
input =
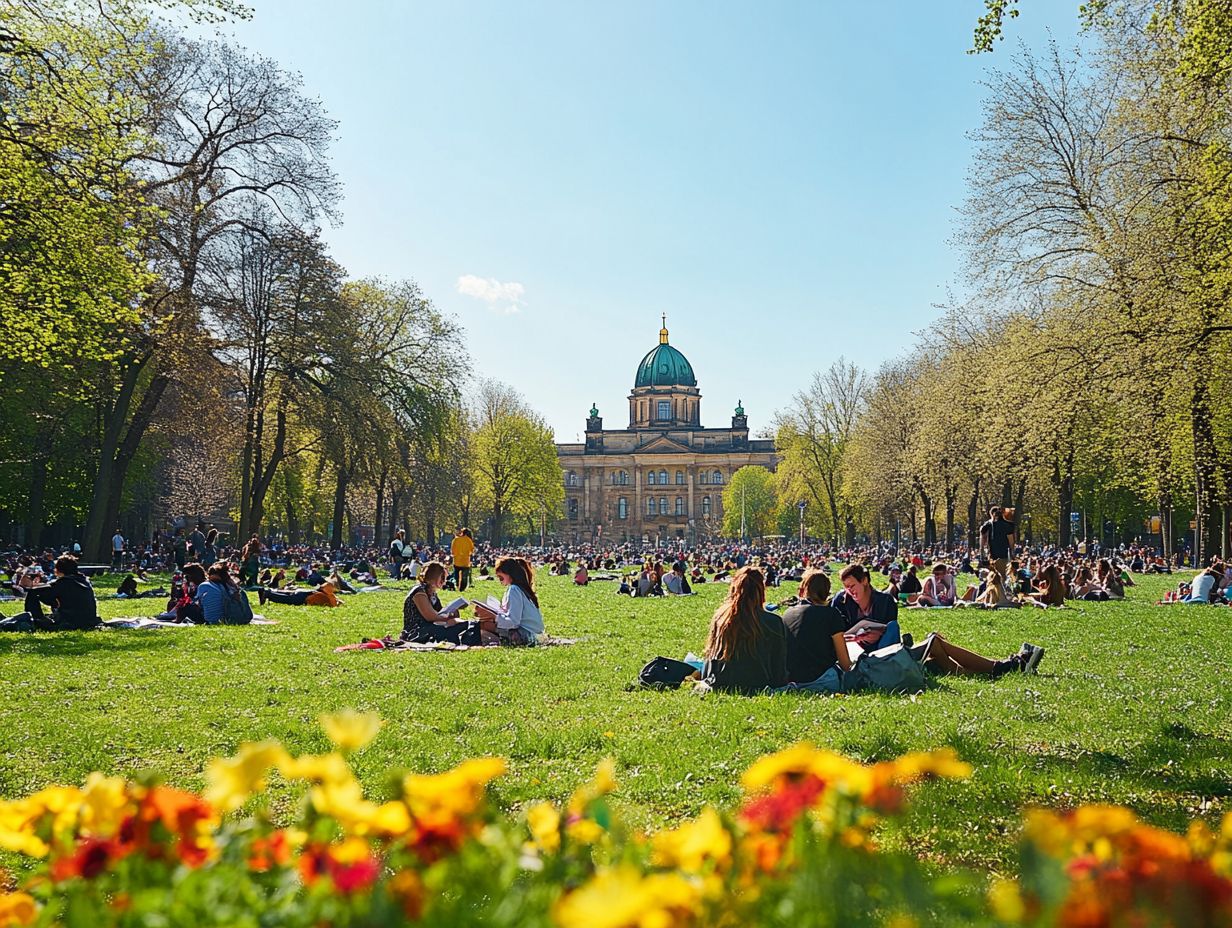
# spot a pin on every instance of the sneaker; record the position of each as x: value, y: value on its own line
x: 1009, y: 665
x: 1033, y: 659
x: 907, y: 641
x: 261, y: 595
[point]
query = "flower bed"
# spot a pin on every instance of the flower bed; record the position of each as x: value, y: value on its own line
x: 799, y: 850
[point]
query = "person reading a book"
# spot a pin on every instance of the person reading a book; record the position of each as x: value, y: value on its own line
x: 863, y: 607
x: 517, y: 621
x: 423, y: 619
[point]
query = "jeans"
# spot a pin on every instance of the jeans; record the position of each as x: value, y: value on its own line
x: 297, y: 598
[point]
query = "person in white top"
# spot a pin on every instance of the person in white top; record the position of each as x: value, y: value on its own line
x: 939, y: 589
x: 117, y: 550
x: 519, y: 621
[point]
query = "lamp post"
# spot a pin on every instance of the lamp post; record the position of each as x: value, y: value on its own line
x: 800, y: 505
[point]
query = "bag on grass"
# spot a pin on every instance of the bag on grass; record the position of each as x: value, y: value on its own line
x: 663, y: 673
x: 887, y: 670
x: 236, y: 610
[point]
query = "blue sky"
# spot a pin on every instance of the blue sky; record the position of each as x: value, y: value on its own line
x: 779, y: 178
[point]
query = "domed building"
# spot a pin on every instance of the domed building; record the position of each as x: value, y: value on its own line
x: 662, y: 478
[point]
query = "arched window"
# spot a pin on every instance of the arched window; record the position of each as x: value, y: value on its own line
x: 663, y: 478
x: 571, y: 480
x: 624, y: 478
x: 679, y: 505
x: 615, y: 478
x: 650, y: 478
x: 622, y: 508
x: 717, y: 477
x: 680, y: 478
x: 703, y: 477
x: 650, y: 506
x: 573, y: 509
x: 663, y: 510
x: 705, y: 505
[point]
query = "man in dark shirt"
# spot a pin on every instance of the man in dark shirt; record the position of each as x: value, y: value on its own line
x: 814, y: 631
x: 858, y: 601
x: 70, y: 596
x: 997, y: 537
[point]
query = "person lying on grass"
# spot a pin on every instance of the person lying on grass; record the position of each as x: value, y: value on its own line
x: 323, y: 595
x: 422, y: 618
x: 746, y: 646
x: 519, y: 622
x: 946, y: 658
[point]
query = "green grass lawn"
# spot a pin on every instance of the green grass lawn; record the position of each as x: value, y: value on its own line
x: 1131, y: 706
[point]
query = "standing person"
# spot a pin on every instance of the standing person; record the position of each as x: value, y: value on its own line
x: 179, y: 549
x: 746, y: 646
x: 397, y: 554
x: 250, y: 562
x: 997, y: 539
x: 196, y: 543
x: 70, y: 596
x: 211, y: 547
x: 117, y: 551
x: 461, y: 549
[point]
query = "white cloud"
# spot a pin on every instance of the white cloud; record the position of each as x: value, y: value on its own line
x: 501, y: 297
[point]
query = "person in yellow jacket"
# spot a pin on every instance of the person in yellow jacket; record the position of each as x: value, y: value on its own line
x: 461, y: 549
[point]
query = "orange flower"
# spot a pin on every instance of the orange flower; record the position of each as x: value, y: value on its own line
x: 269, y: 851
x: 17, y: 909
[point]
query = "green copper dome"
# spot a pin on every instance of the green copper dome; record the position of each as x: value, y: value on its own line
x: 665, y: 367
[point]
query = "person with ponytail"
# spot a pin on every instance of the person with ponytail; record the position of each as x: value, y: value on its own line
x: 519, y: 621
x: 746, y: 647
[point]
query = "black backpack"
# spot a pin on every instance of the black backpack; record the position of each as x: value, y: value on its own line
x: 236, y: 610
x: 663, y: 673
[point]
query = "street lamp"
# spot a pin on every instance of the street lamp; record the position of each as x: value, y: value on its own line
x: 800, y: 505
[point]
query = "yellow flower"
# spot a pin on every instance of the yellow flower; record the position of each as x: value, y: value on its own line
x: 104, y: 805
x: 317, y: 768
x: 623, y: 898
x: 17, y: 909
x: 802, y: 760
x: 231, y: 780
x: 920, y: 764
x: 694, y: 845
x: 351, y: 730
x: 344, y: 802
x: 584, y: 831
x: 1006, y: 901
x: 544, y: 823
x: 455, y: 793
x: 603, y: 782
x: 391, y: 819
x: 20, y: 818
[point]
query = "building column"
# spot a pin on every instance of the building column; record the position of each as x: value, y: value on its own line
x: 637, y: 501
x: 587, y: 519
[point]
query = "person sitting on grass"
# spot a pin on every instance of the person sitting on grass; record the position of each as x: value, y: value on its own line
x: 996, y: 594
x: 519, y: 622
x: 676, y: 582
x: 859, y: 603
x: 70, y: 596
x: 814, y: 631
x: 746, y: 646
x: 1109, y: 579
x: 323, y: 595
x: 422, y: 618
x: 947, y: 658
x: 939, y: 589
x: 581, y: 576
x: 1202, y: 590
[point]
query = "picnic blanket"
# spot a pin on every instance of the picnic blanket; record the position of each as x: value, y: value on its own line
x: 144, y: 622
x: 393, y: 644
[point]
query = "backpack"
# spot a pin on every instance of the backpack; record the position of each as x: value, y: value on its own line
x: 891, y: 669
x: 663, y: 673
x: 236, y: 610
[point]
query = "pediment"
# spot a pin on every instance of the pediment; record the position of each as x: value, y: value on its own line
x: 662, y: 443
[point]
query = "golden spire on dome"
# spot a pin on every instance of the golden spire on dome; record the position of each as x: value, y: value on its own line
x: 663, y: 331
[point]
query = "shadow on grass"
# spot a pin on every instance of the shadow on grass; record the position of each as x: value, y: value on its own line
x: 75, y: 644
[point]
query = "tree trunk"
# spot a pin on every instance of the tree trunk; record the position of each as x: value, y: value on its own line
x: 340, y: 492
x: 40, y: 458
x: 380, y: 508
x: 951, y: 494
x: 1063, y: 480
x: 132, y: 442
x: 394, y: 499
x: 265, y: 475
x: 498, y: 518
x: 94, y: 542
x: 292, y: 522
x: 973, y: 514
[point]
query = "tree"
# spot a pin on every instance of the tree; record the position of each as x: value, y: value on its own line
x: 750, y: 503
x: 513, y: 462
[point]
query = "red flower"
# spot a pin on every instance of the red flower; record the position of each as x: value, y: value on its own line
x: 779, y: 810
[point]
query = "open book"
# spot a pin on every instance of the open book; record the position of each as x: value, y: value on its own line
x: 454, y: 607
x: 490, y: 603
x: 865, y: 632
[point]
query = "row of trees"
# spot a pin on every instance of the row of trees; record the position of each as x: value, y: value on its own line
x: 177, y: 338
x: 1089, y: 368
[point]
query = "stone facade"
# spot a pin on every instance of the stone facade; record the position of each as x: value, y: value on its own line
x: 663, y: 477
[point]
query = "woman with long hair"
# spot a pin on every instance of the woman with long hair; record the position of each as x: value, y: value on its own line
x: 746, y: 647
x: 518, y: 622
x: 422, y: 618
x: 1050, y: 588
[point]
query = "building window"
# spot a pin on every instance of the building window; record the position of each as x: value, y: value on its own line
x: 573, y: 509
x: 679, y: 478
x: 571, y: 480
x: 716, y: 477
x: 665, y: 410
x: 703, y: 477
x: 622, y: 508
x: 679, y: 505
x: 624, y: 478
x: 650, y: 478
x: 650, y: 506
x: 663, y: 478
x: 663, y: 510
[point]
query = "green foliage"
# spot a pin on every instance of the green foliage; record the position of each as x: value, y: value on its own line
x: 750, y: 503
